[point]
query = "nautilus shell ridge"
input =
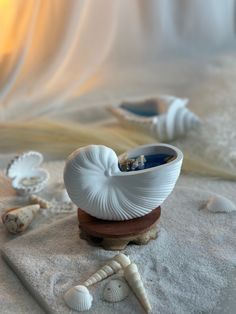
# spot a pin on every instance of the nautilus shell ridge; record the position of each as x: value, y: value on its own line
x: 165, y: 117
x: 96, y: 184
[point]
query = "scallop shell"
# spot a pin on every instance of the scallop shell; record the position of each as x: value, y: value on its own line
x: 17, y: 220
x: 115, y: 291
x: 134, y: 280
x: 95, y: 183
x: 220, y: 204
x: 26, y: 174
x: 165, y: 117
x: 78, y: 298
x: 111, y: 267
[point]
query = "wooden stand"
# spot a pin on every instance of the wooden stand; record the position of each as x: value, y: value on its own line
x: 116, y: 235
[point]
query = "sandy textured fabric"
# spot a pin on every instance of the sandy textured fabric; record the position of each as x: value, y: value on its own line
x: 186, y: 270
x: 14, y: 298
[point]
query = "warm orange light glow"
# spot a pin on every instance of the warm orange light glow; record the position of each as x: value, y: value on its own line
x: 14, y: 17
x: 4, y: 3
x: 7, y: 16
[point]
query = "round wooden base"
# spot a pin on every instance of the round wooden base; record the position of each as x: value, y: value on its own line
x: 116, y: 235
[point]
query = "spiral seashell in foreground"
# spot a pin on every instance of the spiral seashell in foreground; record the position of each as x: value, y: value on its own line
x: 115, y: 291
x: 134, y: 280
x: 17, y: 220
x: 96, y: 184
x: 26, y: 174
x: 114, y: 265
x: 78, y: 298
x: 165, y: 117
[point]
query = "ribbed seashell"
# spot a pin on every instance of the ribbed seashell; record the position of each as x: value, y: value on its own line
x: 115, y: 291
x: 220, y: 204
x: 17, y: 220
x: 165, y: 117
x: 96, y: 184
x: 78, y: 298
x: 26, y: 174
x: 35, y: 199
x: 118, y: 262
x: 134, y: 280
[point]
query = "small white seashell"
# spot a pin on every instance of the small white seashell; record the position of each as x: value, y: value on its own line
x: 220, y: 204
x: 34, y: 199
x: 17, y: 220
x: 165, y: 117
x: 118, y: 262
x: 78, y: 298
x: 96, y: 184
x: 134, y: 280
x: 62, y: 196
x: 26, y: 174
x: 115, y: 291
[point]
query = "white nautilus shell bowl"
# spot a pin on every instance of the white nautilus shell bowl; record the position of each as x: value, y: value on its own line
x: 165, y: 117
x: 25, y: 172
x: 96, y: 184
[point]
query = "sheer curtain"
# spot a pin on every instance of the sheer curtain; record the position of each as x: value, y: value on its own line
x: 53, y: 52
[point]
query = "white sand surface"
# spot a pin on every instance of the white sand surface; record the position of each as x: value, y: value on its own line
x: 186, y: 270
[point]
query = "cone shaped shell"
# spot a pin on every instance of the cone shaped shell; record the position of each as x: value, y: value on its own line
x: 78, y: 298
x: 95, y: 183
x: 17, y: 220
x: 107, y: 270
x: 135, y: 282
x: 114, y: 265
x: 123, y: 259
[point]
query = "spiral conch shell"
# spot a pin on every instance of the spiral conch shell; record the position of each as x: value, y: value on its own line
x: 17, y: 220
x: 165, y: 117
x: 114, y: 265
x: 134, y: 280
x: 96, y: 184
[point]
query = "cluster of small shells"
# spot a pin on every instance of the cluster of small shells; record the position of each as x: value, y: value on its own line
x: 27, y: 177
x: 79, y: 298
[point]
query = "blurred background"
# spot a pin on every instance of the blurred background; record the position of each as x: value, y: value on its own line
x: 62, y: 62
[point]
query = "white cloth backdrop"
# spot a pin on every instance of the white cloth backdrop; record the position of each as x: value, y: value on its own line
x: 53, y: 52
